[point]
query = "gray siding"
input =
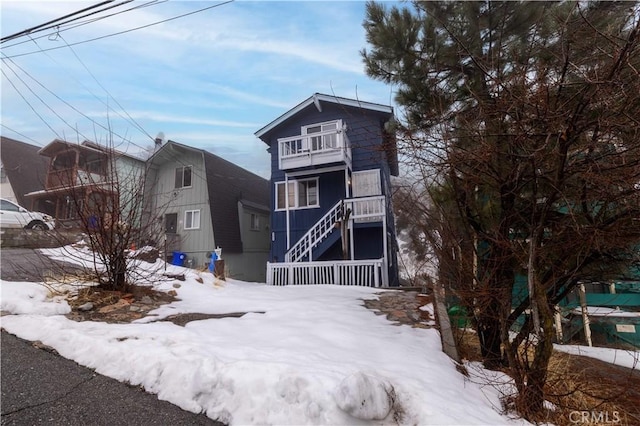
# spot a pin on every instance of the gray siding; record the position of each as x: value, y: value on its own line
x: 226, y: 197
x: 196, y: 243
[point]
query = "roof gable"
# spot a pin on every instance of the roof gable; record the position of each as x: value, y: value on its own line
x: 318, y: 99
x: 25, y: 168
x: 58, y: 145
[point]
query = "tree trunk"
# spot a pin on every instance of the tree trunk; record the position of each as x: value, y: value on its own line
x: 531, y: 400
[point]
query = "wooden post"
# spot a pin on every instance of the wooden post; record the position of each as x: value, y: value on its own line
x: 446, y: 333
x: 558, y: 322
x: 585, y: 314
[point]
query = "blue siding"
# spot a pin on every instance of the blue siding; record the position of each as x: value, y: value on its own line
x: 330, y: 190
x: 365, y: 133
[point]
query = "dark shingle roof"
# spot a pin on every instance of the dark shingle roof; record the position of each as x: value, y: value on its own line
x: 25, y: 169
x: 228, y: 184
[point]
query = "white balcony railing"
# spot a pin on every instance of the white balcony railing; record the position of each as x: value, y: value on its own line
x: 368, y: 273
x: 367, y: 209
x: 320, y: 148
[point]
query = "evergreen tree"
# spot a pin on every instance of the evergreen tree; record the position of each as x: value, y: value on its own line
x: 527, y: 116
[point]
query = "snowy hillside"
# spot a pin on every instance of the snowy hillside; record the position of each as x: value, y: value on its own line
x: 301, y: 355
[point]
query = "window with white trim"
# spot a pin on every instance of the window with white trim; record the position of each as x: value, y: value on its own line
x: 192, y: 219
x: 301, y: 194
x: 255, y: 222
x: 327, y: 135
x: 183, y: 177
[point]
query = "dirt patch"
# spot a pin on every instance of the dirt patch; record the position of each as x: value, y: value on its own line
x: 183, y: 319
x: 93, y: 304
x: 116, y: 307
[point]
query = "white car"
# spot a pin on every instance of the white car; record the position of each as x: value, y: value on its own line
x: 15, y: 216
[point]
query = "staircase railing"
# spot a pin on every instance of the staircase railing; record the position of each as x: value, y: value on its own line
x: 315, y: 235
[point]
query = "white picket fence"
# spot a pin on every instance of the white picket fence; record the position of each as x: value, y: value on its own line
x: 368, y: 273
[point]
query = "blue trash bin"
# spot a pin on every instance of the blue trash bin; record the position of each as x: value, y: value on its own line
x: 178, y: 258
x: 212, y: 262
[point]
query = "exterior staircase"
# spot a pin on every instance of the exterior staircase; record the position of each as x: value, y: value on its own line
x: 316, y: 234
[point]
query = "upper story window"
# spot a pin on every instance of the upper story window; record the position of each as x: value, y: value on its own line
x: 300, y: 194
x: 3, y: 174
x: 183, y: 177
x: 326, y: 135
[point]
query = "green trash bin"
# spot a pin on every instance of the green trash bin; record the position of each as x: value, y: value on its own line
x: 458, y: 316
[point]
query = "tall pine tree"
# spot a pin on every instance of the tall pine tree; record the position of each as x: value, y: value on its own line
x: 527, y: 115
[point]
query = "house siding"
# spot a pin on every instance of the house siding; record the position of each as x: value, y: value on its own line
x: 331, y: 189
x: 196, y: 243
x: 130, y: 173
x: 226, y: 196
x: 371, y: 148
x: 364, y: 129
x: 365, y: 133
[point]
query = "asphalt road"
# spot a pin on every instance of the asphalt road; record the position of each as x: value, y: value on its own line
x: 22, y: 264
x: 40, y: 387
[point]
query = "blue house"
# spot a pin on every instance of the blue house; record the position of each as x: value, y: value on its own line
x: 331, y: 222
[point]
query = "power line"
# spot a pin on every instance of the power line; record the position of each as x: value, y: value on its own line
x: 135, y: 123
x: 38, y: 97
x: 60, y: 28
x: 125, y: 31
x: 63, y: 101
x: 18, y: 133
x: 108, y: 129
x: 27, y: 102
x: 39, y: 27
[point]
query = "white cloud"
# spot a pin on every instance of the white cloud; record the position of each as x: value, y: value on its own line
x: 214, y: 76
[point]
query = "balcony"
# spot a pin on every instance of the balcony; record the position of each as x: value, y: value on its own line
x: 72, y: 177
x: 315, y: 149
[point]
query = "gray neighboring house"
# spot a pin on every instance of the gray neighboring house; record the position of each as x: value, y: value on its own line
x: 203, y: 202
x: 22, y: 171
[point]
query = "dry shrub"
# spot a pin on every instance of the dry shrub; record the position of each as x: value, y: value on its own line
x: 607, y: 393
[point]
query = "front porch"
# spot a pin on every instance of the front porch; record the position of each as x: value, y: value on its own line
x: 367, y: 273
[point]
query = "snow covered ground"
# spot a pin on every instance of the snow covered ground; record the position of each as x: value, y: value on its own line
x: 624, y: 358
x: 302, y: 355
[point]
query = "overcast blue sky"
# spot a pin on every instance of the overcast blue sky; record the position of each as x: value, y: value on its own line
x: 208, y: 80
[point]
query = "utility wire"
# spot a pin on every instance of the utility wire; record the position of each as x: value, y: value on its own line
x: 27, y: 102
x: 134, y: 122
x: 125, y: 31
x: 60, y: 28
x: 58, y: 25
x: 38, y: 97
x: 108, y: 129
x: 93, y: 94
x: 18, y: 133
x: 65, y: 102
x: 39, y: 27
